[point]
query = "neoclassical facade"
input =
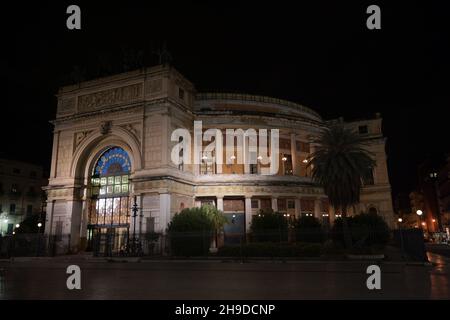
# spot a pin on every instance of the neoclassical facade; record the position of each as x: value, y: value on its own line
x: 112, y: 145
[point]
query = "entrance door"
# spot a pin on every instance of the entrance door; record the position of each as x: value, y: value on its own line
x: 234, y: 230
x: 110, y: 241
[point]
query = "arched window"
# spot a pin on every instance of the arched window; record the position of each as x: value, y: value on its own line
x: 111, y: 173
x: 373, y: 210
x: 110, y: 189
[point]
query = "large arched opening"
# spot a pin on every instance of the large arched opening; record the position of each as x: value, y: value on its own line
x: 108, y: 217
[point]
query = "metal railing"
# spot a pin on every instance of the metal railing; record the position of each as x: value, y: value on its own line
x: 276, y: 243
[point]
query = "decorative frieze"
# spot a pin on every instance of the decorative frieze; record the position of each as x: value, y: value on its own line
x: 66, y: 106
x: 97, y: 100
x: 153, y: 86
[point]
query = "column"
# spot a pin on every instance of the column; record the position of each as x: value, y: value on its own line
x: 49, y: 218
x: 84, y: 222
x: 294, y: 154
x: 248, y: 213
x: 165, y: 143
x: 164, y: 211
x: 332, y: 215
x: 54, y: 154
x: 298, y: 208
x: 220, y: 203
x: 274, y: 204
x: 317, y: 211
x: 312, y: 150
x: 196, y: 203
x: 74, y: 212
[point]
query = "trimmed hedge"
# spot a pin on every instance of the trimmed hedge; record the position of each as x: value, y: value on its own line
x: 269, y: 226
x: 308, y: 229
x: 271, y: 250
x: 366, y: 229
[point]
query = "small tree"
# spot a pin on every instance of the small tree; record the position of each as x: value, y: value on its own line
x: 308, y: 229
x: 190, y: 232
x: 217, y: 219
x: 269, y: 226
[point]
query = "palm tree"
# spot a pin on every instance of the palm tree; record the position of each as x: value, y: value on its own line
x: 217, y: 219
x: 340, y: 164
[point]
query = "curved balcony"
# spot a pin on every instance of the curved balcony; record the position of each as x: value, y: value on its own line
x: 253, y: 179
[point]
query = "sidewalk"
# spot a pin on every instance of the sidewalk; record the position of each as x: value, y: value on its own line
x: 74, y: 259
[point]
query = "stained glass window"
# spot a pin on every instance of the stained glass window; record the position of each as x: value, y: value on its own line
x: 110, y: 187
x: 114, y: 161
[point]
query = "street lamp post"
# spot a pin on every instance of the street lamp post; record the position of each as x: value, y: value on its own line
x: 39, y: 225
x: 400, y: 220
x: 419, y: 213
x: 135, y: 214
x: 421, y: 225
x: 434, y: 180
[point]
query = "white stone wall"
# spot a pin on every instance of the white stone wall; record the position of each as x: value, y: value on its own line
x: 138, y: 111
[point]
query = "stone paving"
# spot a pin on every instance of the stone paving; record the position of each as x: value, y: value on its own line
x: 46, y: 279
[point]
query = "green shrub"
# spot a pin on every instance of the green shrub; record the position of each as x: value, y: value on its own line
x: 308, y: 229
x: 269, y: 226
x: 190, y: 232
x: 366, y: 229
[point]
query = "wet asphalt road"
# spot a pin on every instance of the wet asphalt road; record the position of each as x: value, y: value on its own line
x: 46, y: 279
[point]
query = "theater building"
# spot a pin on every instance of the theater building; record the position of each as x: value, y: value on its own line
x: 112, y: 142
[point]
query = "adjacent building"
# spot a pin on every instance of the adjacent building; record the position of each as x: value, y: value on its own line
x: 112, y: 143
x: 21, y: 193
x: 443, y: 194
x: 433, y: 195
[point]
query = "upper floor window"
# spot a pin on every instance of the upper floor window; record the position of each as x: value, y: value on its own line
x: 12, y: 208
x: 363, y: 129
x: 14, y: 188
x: 180, y: 154
x: 302, y: 146
x: 180, y: 93
x: 287, y: 164
x: 253, y: 166
x: 207, y: 165
x: 368, y: 179
x: 281, y: 204
x: 291, y: 204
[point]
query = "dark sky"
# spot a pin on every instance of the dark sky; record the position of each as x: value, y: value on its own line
x: 319, y: 54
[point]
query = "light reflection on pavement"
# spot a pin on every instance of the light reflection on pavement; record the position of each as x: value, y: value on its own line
x: 46, y: 279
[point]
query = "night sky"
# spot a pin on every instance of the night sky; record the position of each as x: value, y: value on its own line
x: 319, y: 54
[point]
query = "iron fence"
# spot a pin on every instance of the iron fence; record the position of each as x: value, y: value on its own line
x: 33, y: 245
x: 268, y: 243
